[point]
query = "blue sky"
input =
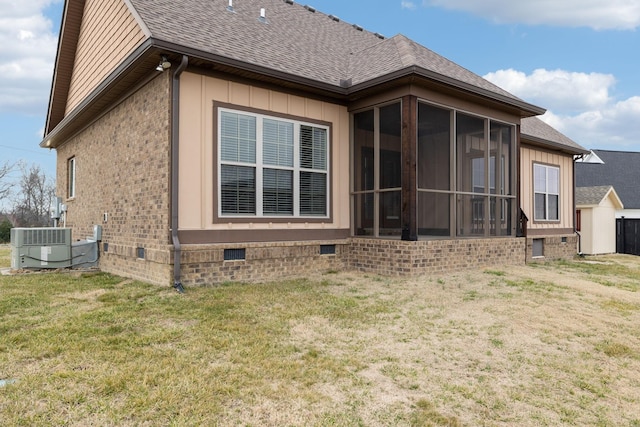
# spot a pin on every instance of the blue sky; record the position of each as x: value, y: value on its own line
x: 577, y: 58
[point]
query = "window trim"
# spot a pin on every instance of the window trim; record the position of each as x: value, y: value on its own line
x: 545, y: 220
x: 218, y: 217
x: 71, y: 177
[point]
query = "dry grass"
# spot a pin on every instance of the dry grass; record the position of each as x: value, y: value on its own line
x: 555, y: 344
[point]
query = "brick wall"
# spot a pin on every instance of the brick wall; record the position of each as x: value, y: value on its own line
x: 554, y: 247
x: 396, y: 257
x: 203, y: 265
x: 122, y: 169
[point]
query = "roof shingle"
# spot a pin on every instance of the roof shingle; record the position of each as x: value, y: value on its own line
x: 299, y: 42
x: 621, y: 169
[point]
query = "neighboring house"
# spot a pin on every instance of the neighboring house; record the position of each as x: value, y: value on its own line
x: 596, y: 219
x: 620, y: 170
x: 255, y: 140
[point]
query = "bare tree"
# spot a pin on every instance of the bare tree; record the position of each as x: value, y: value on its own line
x: 5, y: 184
x: 36, y: 194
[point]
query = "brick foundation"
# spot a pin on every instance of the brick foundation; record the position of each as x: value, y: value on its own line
x: 398, y: 258
x: 205, y: 264
x: 554, y: 248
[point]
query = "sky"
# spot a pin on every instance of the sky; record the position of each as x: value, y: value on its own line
x: 579, y: 59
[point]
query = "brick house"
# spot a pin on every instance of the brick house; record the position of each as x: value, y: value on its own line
x: 247, y: 140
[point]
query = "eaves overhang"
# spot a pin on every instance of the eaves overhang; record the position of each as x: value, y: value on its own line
x: 140, y: 63
x: 526, y: 109
x: 540, y: 142
x: 133, y: 69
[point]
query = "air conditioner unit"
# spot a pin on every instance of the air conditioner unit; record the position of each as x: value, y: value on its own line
x: 40, y: 248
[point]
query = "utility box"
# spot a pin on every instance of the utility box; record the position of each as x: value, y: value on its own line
x: 40, y: 248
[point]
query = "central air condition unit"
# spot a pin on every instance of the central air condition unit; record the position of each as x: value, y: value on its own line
x: 40, y: 248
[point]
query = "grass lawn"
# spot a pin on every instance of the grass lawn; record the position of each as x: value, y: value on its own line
x: 553, y: 344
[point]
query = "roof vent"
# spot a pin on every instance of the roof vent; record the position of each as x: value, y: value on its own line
x: 263, y: 15
x: 335, y: 18
x: 380, y: 36
x: 230, y: 7
x: 345, y: 83
x: 310, y: 8
x: 288, y: 1
x: 357, y: 27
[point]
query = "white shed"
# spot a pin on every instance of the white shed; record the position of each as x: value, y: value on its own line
x: 596, y: 219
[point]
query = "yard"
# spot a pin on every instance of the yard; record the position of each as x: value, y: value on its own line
x: 552, y: 344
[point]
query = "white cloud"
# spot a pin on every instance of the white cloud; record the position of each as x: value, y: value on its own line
x: 596, y: 14
x: 28, y: 45
x: 579, y: 105
x: 408, y: 5
x: 557, y: 89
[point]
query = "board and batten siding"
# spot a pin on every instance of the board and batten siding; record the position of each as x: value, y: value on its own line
x: 528, y: 157
x: 196, y: 181
x: 109, y: 33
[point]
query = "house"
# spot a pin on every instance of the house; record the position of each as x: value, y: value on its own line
x: 547, y: 188
x: 596, y: 219
x: 620, y: 170
x: 242, y: 140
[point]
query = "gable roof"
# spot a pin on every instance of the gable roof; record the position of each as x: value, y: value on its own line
x: 534, y: 130
x: 593, y: 196
x: 620, y: 170
x: 295, y: 46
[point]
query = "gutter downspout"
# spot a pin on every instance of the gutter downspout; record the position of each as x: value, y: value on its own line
x: 175, y: 168
x: 575, y: 211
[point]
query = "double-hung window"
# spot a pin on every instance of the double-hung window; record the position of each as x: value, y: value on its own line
x: 546, y: 188
x: 271, y: 166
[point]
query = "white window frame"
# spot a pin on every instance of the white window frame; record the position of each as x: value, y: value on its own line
x: 71, y: 178
x: 260, y: 166
x: 546, y: 192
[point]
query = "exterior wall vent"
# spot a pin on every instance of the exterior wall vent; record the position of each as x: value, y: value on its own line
x: 235, y: 254
x: 327, y: 249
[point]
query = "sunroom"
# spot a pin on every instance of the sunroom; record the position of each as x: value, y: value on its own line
x: 425, y: 170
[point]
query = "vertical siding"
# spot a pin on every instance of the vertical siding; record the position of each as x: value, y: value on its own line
x: 197, y: 95
x: 108, y: 34
x: 529, y: 156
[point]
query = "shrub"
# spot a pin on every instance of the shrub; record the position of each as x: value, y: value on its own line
x: 5, y: 231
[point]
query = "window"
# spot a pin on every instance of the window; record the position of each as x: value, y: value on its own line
x: 546, y: 186
x: 71, y: 178
x: 271, y: 167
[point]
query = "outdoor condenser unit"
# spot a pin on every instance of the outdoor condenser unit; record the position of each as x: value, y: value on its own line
x: 40, y: 248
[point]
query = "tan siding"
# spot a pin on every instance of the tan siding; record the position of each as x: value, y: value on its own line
x: 529, y: 156
x: 109, y: 33
x: 197, y: 186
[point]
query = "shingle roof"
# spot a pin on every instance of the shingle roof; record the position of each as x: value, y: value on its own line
x: 299, y: 42
x: 621, y: 169
x: 534, y: 129
x: 591, y: 195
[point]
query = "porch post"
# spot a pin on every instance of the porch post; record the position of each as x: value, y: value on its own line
x: 409, y: 169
